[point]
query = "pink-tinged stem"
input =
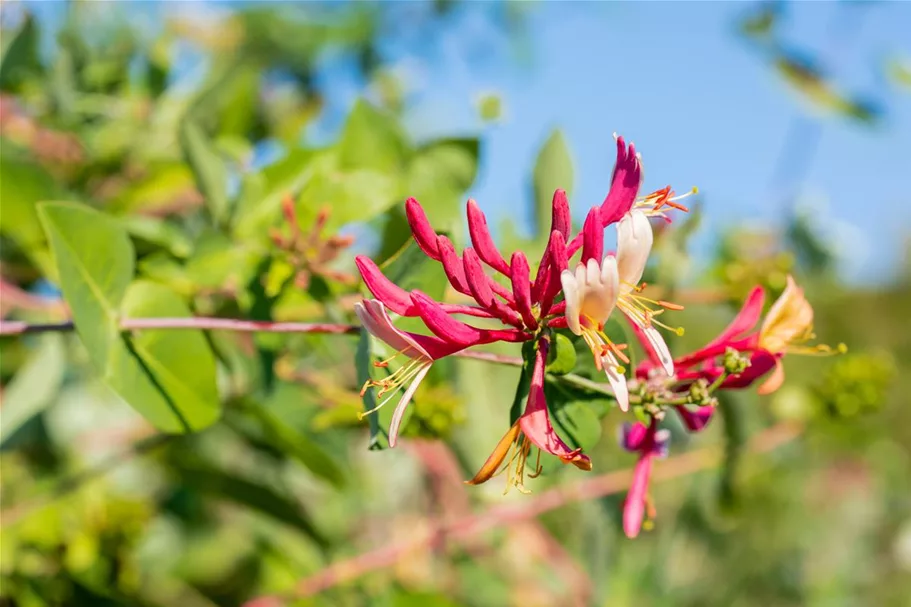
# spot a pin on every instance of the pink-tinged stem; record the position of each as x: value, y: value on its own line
x: 200, y: 323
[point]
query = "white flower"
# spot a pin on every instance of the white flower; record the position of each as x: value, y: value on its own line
x: 591, y: 293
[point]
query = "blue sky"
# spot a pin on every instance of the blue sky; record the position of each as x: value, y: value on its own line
x: 701, y: 105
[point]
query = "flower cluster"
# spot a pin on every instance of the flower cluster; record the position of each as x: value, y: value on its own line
x: 578, y: 297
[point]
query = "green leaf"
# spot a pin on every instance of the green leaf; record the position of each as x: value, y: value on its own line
x: 578, y: 424
x: 161, y: 232
x: 23, y: 184
x: 350, y: 194
x: 253, y: 495
x: 34, y: 386
x: 159, y: 190
x: 439, y: 176
x: 363, y: 362
x: 372, y: 139
x: 553, y: 170
x: 181, y: 361
x: 19, y: 54
x: 561, y: 359
x: 168, y: 376
x: 209, y: 169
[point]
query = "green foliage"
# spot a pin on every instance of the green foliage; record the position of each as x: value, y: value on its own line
x: 169, y: 377
x: 553, y: 170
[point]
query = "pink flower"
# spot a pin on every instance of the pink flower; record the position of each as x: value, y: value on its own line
x: 649, y: 443
x: 532, y: 429
x: 787, y: 326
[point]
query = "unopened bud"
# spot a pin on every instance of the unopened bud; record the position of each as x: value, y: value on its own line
x: 699, y: 392
x: 735, y: 362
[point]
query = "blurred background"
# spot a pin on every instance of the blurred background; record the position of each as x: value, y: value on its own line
x: 189, y: 123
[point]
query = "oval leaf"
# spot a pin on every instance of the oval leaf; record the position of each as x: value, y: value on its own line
x: 169, y: 378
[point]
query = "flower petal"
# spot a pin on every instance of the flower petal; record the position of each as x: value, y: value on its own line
x: 373, y: 317
x: 632, y: 436
x: 572, y: 298
x: 444, y: 326
x: 634, y: 243
x: 399, y: 412
x: 625, y: 183
x: 774, y: 381
x: 634, y: 507
x: 790, y: 317
x: 492, y: 464
x: 745, y: 320
x: 616, y: 379
x: 535, y: 421
x: 395, y: 298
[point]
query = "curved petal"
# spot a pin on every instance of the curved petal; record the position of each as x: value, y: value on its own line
x: 492, y: 464
x: 444, y: 326
x: 572, y: 297
x: 399, y: 412
x: 616, y: 380
x: 373, y: 316
x: 656, y: 344
x: 482, y: 240
x: 625, y: 182
x: 535, y: 421
x: 745, y: 320
x: 452, y: 265
x: 634, y: 507
x: 395, y: 298
x: 774, y: 381
x: 634, y: 243
x: 790, y: 317
x: 424, y: 234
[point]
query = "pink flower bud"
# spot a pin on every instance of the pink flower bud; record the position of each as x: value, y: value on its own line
x: 482, y: 240
x: 424, y: 234
x: 521, y: 288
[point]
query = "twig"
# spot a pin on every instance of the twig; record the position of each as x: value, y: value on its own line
x: 514, y: 512
x: 15, y: 327
x: 491, y: 357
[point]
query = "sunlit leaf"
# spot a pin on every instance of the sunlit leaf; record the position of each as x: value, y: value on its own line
x: 169, y: 377
x: 553, y: 170
x: 34, y: 386
x: 209, y: 169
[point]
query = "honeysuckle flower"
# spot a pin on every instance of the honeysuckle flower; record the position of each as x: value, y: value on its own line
x: 532, y: 430
x: 634, y: 243
x: 590, y: 294
x: 419, y: 352
x: 786, y: 328
x: 526, y: 307
x: 649, y: 443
